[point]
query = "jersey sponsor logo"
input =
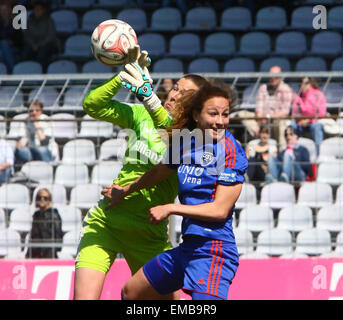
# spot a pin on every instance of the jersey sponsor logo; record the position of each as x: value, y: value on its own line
x: 201, y: 281
x: 143, y: 148
x: 228, y: 175
x: 192, y: 174
x: 206, y: 159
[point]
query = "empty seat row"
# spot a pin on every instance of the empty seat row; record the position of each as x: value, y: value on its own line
x: 196, y: 19
x: 294, y: 218
x: 278, y: 195
x: 82, y: 195
x: 276, y: 242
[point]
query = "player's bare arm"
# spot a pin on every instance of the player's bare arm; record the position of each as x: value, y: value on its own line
x: 218, y: 210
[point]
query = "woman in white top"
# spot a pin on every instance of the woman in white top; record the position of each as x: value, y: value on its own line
x: 35, y: 144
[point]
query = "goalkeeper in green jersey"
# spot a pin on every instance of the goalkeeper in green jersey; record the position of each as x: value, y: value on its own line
x: 109, y: 230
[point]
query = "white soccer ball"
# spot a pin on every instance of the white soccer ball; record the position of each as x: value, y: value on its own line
x: 110, y: 41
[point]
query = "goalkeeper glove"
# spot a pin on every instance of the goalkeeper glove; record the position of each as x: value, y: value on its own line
x: 138, y: 81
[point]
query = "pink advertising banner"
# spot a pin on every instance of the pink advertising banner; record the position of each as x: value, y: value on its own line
x: 257, y: 279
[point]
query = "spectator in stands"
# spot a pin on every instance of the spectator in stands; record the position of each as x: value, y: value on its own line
x: 291, y: 164
x: 311, y: 103
x: 258, y: 156
x: 274, y: 101
x: 40, y: 38
x: 35, y: 144
x: 6, y: 161
x: 10, y: 39
x: 164, y: 88
x: 46, y: 227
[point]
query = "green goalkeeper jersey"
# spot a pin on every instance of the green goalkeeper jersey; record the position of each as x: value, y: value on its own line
x: 145, y: 148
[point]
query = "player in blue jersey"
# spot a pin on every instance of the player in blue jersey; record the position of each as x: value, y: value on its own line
x: 210, y: 176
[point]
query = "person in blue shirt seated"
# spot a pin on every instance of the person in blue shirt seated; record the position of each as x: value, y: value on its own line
x: 210, y: 165
x: 292, y: 163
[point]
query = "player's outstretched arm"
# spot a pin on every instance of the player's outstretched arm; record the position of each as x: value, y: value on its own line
x: 218, y: 210
x: 152, y: 177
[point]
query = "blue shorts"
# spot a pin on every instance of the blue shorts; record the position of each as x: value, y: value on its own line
x: 197, y: 265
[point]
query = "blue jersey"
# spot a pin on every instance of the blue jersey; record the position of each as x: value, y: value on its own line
x: 200, y: 169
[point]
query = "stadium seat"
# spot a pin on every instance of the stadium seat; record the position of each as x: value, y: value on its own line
x: 3, y: 125
x: 135, y: 17
x: 331, y: 149
x: 308, y: 64
x: 290, y: 44
x: 247, y: 197
x: 10, y: 241
x: 302, y: 18
x: 256, y: 218
x: 11, y: 97
x: 79, y: 151
x: 3, y: 219
x: 123, y: 95
x: 71, y: 217
x: 256, y: 44
x: 333, y: 93
x: 311, y: 147
x: 337, y: 64
x: 21, y: 218
x: 235, y: 19
x: 91, y: 128
x: 70, y: 175
x: 17, y: 128
x: 331, y: 172
x: 282, y: 62
x: 166, y: 19
x: 64, y: 129
x: 200, y: 19
x: 92, y: 18
x: 334, y: 19
x: 315, y: 194
x: 271, y: 18
x: 249, y: 97
x: 277, y: 195
x: 326, y: 44
x: 58, y: 193
x: 69, y: 245
x: 339, y: 195
x: 66, y: 21
x: 313, y: 242
x: 244, y: 240
x: 73, y: 97
x: 13, y: 195
x: 330, y: 217
x: 38, y: 171
x: 110, y: 4
x: 77, y: 47
x: 295, y: 218
x: 62, y: 66
x: 168, y: 65
x: 339, y: 245
x: 112, y: 149
x: 77, y: 4
x: 47, y: 95
x: 84, y: 196
x: 219, y: 45
x: 94, y: 66
x: 105, y: 172
x: 3, y: 68
x: 27, y: 67
x: 155, y: 43
x: 184, y: 45
x: 239, y: 65
x: 274, y: 242
x: 203, y: 65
